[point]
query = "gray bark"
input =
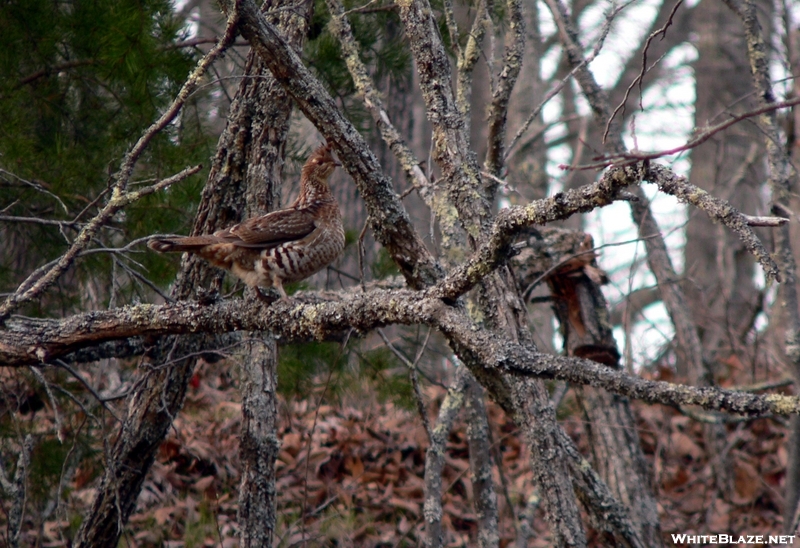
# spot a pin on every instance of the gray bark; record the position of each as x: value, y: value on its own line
x: 566, y: 260
x: 269, y: 113
x: 434, y: 459
x: 480, y: 464
x: 782, y: 178
x: 159, y: 398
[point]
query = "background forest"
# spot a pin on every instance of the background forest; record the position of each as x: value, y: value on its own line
x: 566, y: 314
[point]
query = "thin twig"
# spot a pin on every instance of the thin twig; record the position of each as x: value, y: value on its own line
x: 56, y: 415
x: 36, y: 186
x: 303, y: 514
x: 119, y: 197
x: 62, y: 364
x: 628, y: 158
x: 412, y: 367
x: 560, y: 85
x: 638, y: 80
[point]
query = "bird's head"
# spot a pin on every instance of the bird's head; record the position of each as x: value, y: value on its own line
x: 321, y: 163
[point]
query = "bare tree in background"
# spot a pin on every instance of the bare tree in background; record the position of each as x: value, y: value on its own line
x: 473, y: 273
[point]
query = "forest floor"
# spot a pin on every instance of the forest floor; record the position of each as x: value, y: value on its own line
x: 351, y: 474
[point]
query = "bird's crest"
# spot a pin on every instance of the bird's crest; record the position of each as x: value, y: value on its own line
x: 321, y: 161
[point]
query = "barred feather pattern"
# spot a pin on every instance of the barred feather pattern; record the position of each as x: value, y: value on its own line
x: 287, y: 245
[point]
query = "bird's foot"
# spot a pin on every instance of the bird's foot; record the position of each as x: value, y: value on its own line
x: 207, y: 297
x: 270, y: 297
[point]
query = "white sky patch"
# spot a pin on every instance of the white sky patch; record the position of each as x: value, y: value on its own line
x: 780, y: 72
x: 619, y: 46
x: 547, y: 25
x: 216, y: 100
x: 664, y: 120
x: 648, y: 336
x: 192, y: 23
x: 549, y: 63
x: 562, y: 154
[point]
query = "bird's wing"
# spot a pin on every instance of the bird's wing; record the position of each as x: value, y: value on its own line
x: 270, y: 230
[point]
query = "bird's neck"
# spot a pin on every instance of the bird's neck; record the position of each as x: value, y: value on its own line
x: 314, y: 189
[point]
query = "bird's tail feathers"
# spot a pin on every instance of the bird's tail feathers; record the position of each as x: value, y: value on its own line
x: 178, y: 245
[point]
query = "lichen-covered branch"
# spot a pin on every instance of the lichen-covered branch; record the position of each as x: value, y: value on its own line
x: 468, y: 57
x: 38, y: 341
x: 450, y: 139
x: 340, y: 27
x: 120, y: 197
x: 605, y: 512
x: 717, y: 209
x: 480, y: 464
x: 434, y: 460
x: 509, y: 222
x: 15, y: 490
x: 782, y: 177
x: 498, y: 109
x: 389, y: 220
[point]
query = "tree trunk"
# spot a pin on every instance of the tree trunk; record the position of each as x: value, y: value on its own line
x: 265, y: 151
x: 232, y: 182
x: 566, y: 260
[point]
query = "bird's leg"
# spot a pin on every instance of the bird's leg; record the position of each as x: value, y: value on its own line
x: 264, y: 298
x: 277, y: 284
x: 207, y: 296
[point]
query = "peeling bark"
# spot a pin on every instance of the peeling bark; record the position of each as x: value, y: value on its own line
x: 566, y: 259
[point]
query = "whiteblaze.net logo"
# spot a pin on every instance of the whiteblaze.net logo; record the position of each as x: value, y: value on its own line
x: 733, y: 539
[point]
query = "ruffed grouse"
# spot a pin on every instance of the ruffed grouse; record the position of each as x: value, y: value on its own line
x: 287, y: 245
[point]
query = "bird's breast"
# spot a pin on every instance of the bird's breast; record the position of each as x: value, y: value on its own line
x: 297, y: 260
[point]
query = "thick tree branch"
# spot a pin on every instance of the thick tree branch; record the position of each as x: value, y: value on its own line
x: 450, y: 139
x: 510, y: 221
x: 27, y: 341
x: 389, y: 220
x: 717, y: 209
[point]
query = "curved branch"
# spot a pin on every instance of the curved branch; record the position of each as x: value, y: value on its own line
x: 495, y: 250
x: 716, y: 208
x: 389, y: 220
x: 30, y: 341
x: 32, y: 288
